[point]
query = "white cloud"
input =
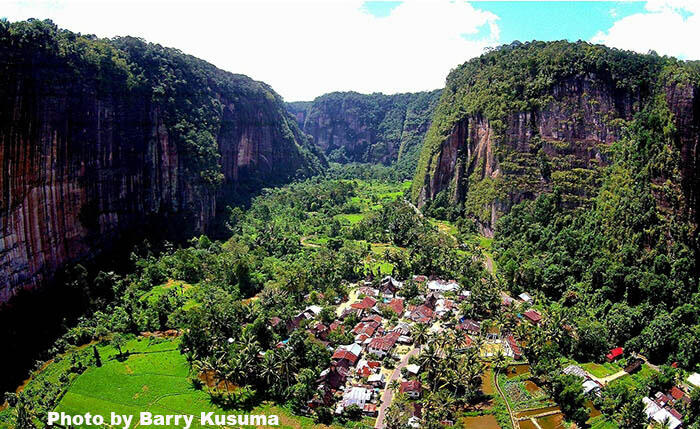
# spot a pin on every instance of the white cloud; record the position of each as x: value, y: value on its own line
x: 669, y: 27
x: 302, y: 48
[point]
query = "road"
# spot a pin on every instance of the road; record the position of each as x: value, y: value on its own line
x: 388, y: 394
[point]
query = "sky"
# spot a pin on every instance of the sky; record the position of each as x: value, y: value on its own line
x: 305, y: 48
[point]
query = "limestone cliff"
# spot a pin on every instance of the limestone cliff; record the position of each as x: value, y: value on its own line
x: 527, y: 119
x: 377, y: 128
x: 102, y: 139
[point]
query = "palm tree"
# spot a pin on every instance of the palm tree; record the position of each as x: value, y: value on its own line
x: 269, y: 369
x: 500, y: 361
x: 287, y: 364
x: 419, y: 332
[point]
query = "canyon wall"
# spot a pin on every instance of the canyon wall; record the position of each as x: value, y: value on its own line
x: 376, y: 128
x: 102, y: 140
x: 511, y: 125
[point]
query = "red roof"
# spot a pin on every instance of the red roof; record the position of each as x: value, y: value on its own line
x: 422, y: 313
x: 615, y: 353
x: 533, y: 316
x: 341, y: 354
x: 396, y: 304
x: 411, y: 386
x: 676, y: 393
x: 514, y: 346
x: 384, y: 343
x: 367, y: 303
x: 373, y: 318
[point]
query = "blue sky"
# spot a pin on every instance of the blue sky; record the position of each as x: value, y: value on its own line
x: 533, y: 20
x: 305, y: 48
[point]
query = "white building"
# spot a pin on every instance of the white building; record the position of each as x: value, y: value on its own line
x: 694, y: 380
x: 660, y: 415
x: 443, y: 286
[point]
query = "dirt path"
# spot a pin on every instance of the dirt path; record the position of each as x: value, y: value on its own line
x: 513, y: 420
x: 388, y: 394
x: 305, y: 244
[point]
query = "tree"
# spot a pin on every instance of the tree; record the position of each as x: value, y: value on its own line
x: 96, y: 354
x: 419, y: 332
x: 118, y: 342
x: 353, y: 412
x: 632, y: 414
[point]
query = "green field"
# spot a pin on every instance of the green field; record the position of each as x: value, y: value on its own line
x: 601, y: 370
x: 153, y: 378
x: 637, y: 380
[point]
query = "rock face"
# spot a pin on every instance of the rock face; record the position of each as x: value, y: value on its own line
x: 92, y: 153
x: 377, y: 128
x: 490, y: 146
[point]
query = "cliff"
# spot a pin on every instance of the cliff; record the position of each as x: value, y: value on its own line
x: 376, y: 128
x: 526, y: 119
x: 102, y: 139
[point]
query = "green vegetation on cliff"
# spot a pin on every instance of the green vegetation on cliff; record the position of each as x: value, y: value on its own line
x: 550, y: 109
x: 369, y: 128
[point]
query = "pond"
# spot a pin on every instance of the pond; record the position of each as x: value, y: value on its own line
x: 481, y: 422
x: 519, y: 369
x: 532, y: 388
x: 555, y: 421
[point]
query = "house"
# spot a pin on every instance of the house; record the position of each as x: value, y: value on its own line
x: 312, y: 311
x: 614, y: 354
x: 464, y: 342
x: 526, y: 298
x: 465, y: 294
x: 678, y: 395
x: 443, y: 306
x: 376, y: 380
x: 533, y: 316
x: 346, y: 355
x: 420, y: 279
x: 422, y: 314
x: 443, y: 286
x: 402, y: 328
x: 390, y: 286
x: 370, y: 410
x: 355, y: 396
x: 368, y: 291
x: 366, y: 368
x: 694, y: 380
x: 396, y: 305
x: 411, y: 388
x: 592, y: 387
x: 336, y: 325
x: 471, y: 326
x: 633, y: 365
x: 575, y: 370
x: 660, y: 414
x: 365, y: 328
x: 511, y: 348
x: 412, y: 368
x: 333, y: 377
x: 366, y: 304
x: 506, y: 300
x: 381, y: 346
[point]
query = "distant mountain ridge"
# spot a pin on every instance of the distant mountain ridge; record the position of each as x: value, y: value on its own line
x: 373, y: 128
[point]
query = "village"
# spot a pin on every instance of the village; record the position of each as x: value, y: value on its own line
x: 366, y: 374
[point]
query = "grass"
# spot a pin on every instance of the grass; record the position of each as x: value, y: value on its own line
x: 156, y: 292
x: 154, y: 378
x: 637, y: 380
x: 602, y: 422
x: 352, y: 218
x: 601, y: 370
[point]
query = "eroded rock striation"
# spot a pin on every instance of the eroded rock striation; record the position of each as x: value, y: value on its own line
x: 100, y: 139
